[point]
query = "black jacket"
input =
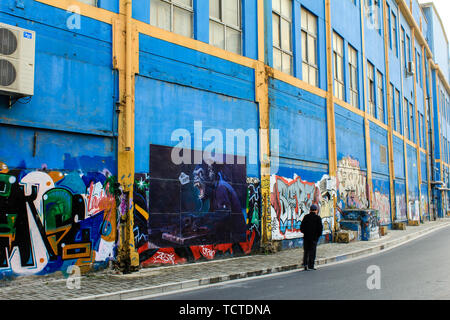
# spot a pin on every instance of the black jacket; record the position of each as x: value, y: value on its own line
x: 311, y: 227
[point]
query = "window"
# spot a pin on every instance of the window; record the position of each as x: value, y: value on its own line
x: 389, y: 21
x: 281, y: 32
x: 392, y: 109
x: 398, y: 108
x: 173, y: 15
x: 371, y: 88
x: 338, y: 64
x: 394, y: 33
x: 372, y: 12
x: 408, y: 49
x: 411, y: 122
x: 353, y: 75
x: 402, y: 39
x: 309, y: 48
x: 225, y: 25
x: 419, y: 66
x: 380, y: 95
x: 405, y: 116
x: 421, y: 132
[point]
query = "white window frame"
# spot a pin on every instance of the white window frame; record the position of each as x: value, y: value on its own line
x: 237, y: 28
x: 380, y: 96
x: 306, y: 59
x: 284, y: 51
x: 173, y: 4
x: 371, y: 88
x: 353, y: 75
x: 338, y: 65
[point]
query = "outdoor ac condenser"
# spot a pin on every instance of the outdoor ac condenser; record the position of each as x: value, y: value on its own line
x: 17, y: 55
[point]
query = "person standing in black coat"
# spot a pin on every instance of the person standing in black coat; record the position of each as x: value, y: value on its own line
x: 311, y: 228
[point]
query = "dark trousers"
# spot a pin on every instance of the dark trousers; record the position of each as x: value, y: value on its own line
x: 309, y: 253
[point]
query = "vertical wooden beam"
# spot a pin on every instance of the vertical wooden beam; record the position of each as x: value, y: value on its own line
x: 405, y: 122
x: 331, y: 122
x: 262, y: 98
x: 438, y: 107
x: 416, y: 113
x: 425, y: 117
x: 365, y: 101
x: 390, y: 111
x: 332, y: 156
x: 432, y: 127
x: 125, y: 60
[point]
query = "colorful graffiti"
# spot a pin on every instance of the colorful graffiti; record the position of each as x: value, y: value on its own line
x: 424, y: 206
x: 400, y: 207
x: 382, y: 204
x: 50, y: 220
x: 291, y: 199
x: 413, y: 210
x: 351, y: 184
x: 187, y: 212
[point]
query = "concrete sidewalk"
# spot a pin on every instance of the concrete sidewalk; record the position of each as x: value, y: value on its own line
x: 156, y: 280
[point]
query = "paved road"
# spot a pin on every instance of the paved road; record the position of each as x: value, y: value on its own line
x: 417, y: 270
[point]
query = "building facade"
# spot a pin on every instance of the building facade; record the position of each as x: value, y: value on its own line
x: 182, y: 130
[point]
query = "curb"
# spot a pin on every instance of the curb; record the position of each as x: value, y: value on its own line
x: 190, y: 284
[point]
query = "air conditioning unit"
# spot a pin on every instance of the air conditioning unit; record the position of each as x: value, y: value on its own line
x: 17, y: 55
x: 410, y: 68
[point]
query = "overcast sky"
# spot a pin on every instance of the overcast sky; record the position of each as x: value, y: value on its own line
x: 443, y: 8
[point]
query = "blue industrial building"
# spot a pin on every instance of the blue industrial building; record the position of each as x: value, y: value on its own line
x: 167, y: 131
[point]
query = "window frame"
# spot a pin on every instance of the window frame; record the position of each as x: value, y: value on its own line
x: 380, y: 96
x: 394, y: 33
x: 308, y: 34
x: 411, y: 123
x: 282, y: 50
x: 338, y: 83
x: 226, y: 25
x: 371, y: 89
x: 353, y: 72
x: 173, y: 4
x: 398, y: 121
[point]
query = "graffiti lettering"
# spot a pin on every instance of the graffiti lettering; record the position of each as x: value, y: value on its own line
x: 352, y: 184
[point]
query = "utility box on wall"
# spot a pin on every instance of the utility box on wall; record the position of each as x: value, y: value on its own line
x: 17, y: 61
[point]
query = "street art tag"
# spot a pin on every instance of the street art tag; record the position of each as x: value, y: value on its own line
x: 290, y: 202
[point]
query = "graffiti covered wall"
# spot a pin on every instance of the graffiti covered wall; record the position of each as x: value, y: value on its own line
x: 381, y: 199
x: 351, y: 184
x: 400, y: 201
x: 291, y: 200
x: 50, y: 220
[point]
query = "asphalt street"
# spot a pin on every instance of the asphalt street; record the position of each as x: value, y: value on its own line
x: 419, y: 269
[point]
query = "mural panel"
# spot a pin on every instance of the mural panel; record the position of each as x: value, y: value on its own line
x: 290, y: 202
x: 400, y: 200
x: 186, y: 212
x: 50, y: 220
x: 381, y: 200
x: 351, y: 184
